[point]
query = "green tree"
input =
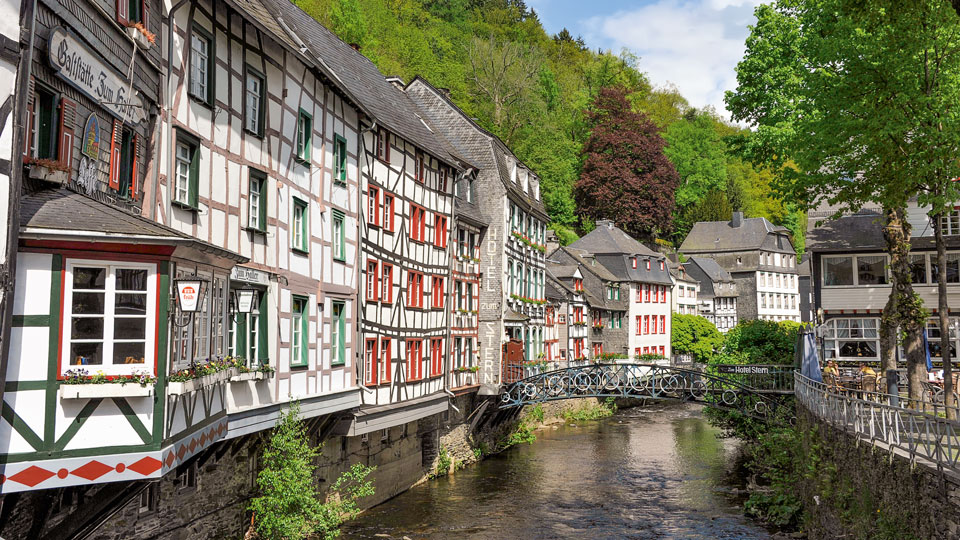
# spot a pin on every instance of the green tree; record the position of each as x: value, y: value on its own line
x: 696, y: 336
x: 764, y: 342
x: 289, y: 506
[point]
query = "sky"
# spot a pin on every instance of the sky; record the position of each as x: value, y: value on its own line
x: 692, y: 44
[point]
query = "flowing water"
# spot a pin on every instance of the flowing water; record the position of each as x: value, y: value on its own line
x: 657, y: 472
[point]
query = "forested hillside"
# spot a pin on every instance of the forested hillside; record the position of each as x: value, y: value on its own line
x: 534, y: 90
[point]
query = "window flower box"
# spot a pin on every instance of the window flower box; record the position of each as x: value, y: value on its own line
x: 250, y: 376
x: 178, y: 388
x: 139, y: 33
x: 104, y: 390
x: 48, y: 171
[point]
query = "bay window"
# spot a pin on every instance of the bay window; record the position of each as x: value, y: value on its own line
x: 852, y: 339
x: 837, y: 271
x: 872, y: 270
x: 111, y: 313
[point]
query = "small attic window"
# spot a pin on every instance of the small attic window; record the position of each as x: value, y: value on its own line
x: 661, y: 265
x: 739, y: 260
x: 536, y: 190
x: 526, y: 182
x: 513, y: 171
x: 648, y: 264
x: 633, y: 262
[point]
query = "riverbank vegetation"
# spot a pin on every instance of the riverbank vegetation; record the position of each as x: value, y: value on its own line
x: 750, y: 342
x: 289, y: 505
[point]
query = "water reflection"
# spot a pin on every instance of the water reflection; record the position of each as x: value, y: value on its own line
x: 653, y: 473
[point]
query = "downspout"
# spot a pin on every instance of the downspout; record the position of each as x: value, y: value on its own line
x: 168, y: 106
x: 13, y: 205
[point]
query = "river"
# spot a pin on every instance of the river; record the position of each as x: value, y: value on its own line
x: 657, y: 472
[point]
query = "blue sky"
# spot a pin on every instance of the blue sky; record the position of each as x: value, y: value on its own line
x: 692, y: 44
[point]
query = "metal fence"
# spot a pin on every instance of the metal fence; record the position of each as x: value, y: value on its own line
x: 920, y: 430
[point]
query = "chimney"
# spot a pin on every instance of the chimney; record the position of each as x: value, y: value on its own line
x: 605, y: 223
x: 553, y: 241
x: 395, y: 81
x: 737, y: 220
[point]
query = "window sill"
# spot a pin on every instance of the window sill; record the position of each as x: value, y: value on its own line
x: 250, y: 376
x: 341, y: 183
x: 340, y: 260
x: 300, y: 251
x: 179, y: 388
x: 105, y: 390
x: 200, y: 100
x: 338, y: 364
x: 184, y: 206
x: 303, y: 365
x: 254, y: 133
x: 302, y: 161
x: 255, y: 230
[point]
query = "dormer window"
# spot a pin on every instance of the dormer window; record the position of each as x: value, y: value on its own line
x: 661, y: 265
x: 421, y: 168
x: 383, y: 145
x: 513, y: 172
x: 578, y: 284
x: 633, y: 262
x: 648, y: 264
x: 526, y: 182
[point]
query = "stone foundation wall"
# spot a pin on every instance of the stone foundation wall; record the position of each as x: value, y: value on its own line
x: 856, y: 490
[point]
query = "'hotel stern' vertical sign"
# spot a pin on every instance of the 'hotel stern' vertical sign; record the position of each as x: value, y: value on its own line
x: 83, y: 69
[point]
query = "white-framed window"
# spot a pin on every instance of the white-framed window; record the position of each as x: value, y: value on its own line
x: 182, y: 185
x: 951, y: 222
x: 109, y: 317
x: 855, y: 270
x: 852, y: 339
x: 201, y: 74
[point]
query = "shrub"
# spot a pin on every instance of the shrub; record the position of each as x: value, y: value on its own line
x: 763, y: 342
x: 696, y: 336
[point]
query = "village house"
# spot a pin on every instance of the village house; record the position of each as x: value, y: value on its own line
x: 685, y: 290
x: 507, y: 192
x: 570, y: 297
x: 718, y: 292
x: 851, y: 281
x: 761, y: 259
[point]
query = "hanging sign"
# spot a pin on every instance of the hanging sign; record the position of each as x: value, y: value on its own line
x: 249, y: 275
x: 83, y: 69
x: 91, y: 138
x: 188, y: 294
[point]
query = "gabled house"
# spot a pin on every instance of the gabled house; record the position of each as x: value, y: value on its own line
x: 645, y: 284
x: 508, y: 195
x: 685, y: 290
x: 718, y: 292
x: 761, y: 259
x: 567, y: 286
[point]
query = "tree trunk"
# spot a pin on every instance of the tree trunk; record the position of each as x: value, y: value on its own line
x: 890, y: 320
x: 943, y: 311
x: 907, y: 316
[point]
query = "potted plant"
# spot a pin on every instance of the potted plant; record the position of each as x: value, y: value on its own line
x: 79, y: 384
x: 139, y: 33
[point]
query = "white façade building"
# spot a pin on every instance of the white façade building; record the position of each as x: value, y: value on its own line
x: 718, y: 292
x: 261, y: 159
x: 650, y: 288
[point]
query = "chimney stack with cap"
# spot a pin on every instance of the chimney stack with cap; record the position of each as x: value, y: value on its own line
x: 737, y: 220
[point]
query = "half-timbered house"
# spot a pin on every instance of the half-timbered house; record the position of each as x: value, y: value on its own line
x: 512, y: 252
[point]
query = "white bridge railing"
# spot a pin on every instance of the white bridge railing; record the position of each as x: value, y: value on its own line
x: 921, y: 433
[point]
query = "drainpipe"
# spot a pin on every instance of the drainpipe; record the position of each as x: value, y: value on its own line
x: 16, y: 183
x: 168, y: 106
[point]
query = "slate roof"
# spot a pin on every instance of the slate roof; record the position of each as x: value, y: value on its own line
x: 862, y: 232
x: 474, y: 143
x: 470, y: 212
x: 554, y: 290
x: 711, y: 269
x: 382, y: 101
x: 720, y: 236
x: 65, y: 210
x: 588, y: 262
x: 607, y: 239
x: 562, y: 270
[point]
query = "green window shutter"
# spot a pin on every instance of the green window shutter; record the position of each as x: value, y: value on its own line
x: 340, y: 159
x: 194, y: 195
x: 339, y: 320
x: 263, y: 204
x: 262, y: 331
x: 343, y: 338
x: 240, y: 335
x: 304, y: 338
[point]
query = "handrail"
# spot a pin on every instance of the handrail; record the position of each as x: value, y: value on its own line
x: 923, y: 437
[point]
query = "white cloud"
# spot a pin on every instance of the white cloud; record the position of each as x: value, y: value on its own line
x: 694, y: 44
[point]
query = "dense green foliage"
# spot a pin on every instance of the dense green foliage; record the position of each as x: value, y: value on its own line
x: 535, y: 91
x: 763, y: 342
x: 696, y: 336
x: 289, y: 506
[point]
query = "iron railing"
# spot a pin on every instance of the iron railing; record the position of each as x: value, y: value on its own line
x: 922, y: 431
x: 640, y: 381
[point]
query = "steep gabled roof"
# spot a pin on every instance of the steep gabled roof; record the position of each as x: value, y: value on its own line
x: 609, y: 239
x: 718, y: 236
x: 711, y: 269
x: 450, y: 121
x: 380, y: 100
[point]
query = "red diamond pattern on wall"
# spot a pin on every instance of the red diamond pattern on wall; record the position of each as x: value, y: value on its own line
x: 169, y: 460
x: 31, y: 476
x: 92, y: 470
x: 145, y: 466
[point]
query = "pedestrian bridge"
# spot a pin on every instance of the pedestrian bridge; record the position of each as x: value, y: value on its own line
x: 754, y: 390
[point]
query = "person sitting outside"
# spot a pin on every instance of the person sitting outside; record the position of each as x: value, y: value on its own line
x: 830, y: 373
x: 868, y: 378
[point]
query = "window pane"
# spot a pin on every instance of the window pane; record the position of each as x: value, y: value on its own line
x: 131, y: 280
x: 89, y: 278
x: 858, y: 349
x: 128, y: 353
x: 838, y: 271
x: 131, y: 304
x: 87, y: 328
x: 83, y: 354
x: 133, y: 328
x: 871, y: 270
x: 953, y: 267
x: 88, y: 303
x: 918, y: 268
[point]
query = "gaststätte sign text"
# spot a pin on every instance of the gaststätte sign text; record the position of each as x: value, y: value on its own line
x: 83, y: 69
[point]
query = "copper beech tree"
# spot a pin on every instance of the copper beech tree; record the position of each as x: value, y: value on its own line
x: 625, y: 176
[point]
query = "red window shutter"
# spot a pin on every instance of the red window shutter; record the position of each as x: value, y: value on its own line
x: 68, y: 114
x: 386, y: 359
x: 28, y: 133
x: 122, y: 15
x: 145, y: 13
x: 134, y: 175
x: 115, y: 139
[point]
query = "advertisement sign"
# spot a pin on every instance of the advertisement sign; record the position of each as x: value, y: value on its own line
x: 188, y: 293
x: 743, y: 370
x: 83, y: 69
x: 91, y: 138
